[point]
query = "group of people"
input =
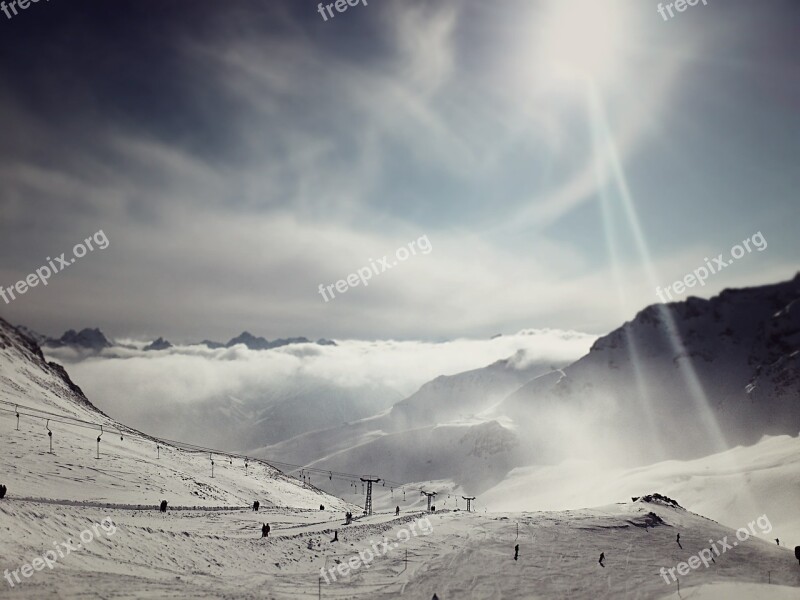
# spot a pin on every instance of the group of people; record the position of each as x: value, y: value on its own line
x: 256, y: 504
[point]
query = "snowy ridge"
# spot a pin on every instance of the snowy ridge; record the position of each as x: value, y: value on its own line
x: 731, y: 363
x: 133, y: 468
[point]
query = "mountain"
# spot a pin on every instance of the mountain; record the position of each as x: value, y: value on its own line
x: 91, y: 339
x: 681, y: 380
x: 212, y: 345
x: 441, y: 431
x: 37, y: 337
x: 159, y: 344
x: 133, y: 468
x: 260, y: 343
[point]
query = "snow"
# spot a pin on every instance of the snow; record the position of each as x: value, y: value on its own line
x: 733, y: 487
x: 208, y: 545
x: 738, y: 591
x: 213, y: 554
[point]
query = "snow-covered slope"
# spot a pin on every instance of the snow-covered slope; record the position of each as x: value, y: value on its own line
x: 732, y: 487
x: 441, y: 431
x: 133, y: 468
x: 194, y: 554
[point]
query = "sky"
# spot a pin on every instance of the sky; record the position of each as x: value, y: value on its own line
x: 561, y: 159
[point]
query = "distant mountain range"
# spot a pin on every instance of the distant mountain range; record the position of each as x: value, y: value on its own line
x: 95, y: 341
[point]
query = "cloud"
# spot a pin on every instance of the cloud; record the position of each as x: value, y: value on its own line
x: 193, y: 392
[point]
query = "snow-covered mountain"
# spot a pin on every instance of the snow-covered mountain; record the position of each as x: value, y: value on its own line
x: 440, y: 431
x: 208, y: 544
x: 678, y: 381
x: 133, y: 468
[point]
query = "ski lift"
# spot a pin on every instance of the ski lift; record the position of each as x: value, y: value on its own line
x: 330, y: 475
x: 121, y: 439
x: 49, y: 435
x: 158, y: 451
x: 98, y: 442
x: 16, y: 410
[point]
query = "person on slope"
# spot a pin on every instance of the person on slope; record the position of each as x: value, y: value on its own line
x: 256, y: 504
x: 602, y: 558
x: 3, y: 490
x: 163, y: 506
x: 264, y: 530
x: 397, y: 511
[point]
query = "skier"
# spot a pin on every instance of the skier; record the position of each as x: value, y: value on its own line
x: 777, y: 541
x: 602, y: 558
x: 3, y: 490
x: 516, y: 552
x: 678, y: 539
x: 163, y: 506
x: 264, y: 530
x: 348, y: 518
x: 396, y: 511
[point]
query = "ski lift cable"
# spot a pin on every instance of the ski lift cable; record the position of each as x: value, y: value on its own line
x: 278, y: 465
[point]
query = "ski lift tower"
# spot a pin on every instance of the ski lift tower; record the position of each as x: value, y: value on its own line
x: 469, y: 502
x: 368, y: 504
x: 430, y: 497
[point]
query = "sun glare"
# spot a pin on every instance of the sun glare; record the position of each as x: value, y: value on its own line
x: 581, y: 39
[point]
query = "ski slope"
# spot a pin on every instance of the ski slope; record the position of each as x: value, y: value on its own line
x: 219, y: 554
x: 732, y: 487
